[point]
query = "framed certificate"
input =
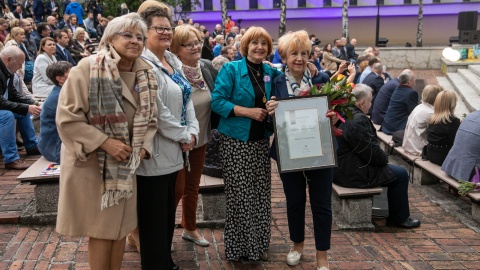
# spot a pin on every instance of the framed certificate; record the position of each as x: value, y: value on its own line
x: 304, y: 135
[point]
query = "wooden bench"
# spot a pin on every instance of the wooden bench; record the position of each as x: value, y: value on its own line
x: 386, y: 142
x: 44, y: 208
x: 352, y: 207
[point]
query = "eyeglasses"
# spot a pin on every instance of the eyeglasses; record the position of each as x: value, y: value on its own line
x: 131, y: 37
x: 191, y: 45
x: 161, y: 29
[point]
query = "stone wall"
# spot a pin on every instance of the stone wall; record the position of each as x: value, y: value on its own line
x: 412, y: 58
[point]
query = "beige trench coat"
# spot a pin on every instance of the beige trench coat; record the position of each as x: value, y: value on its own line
x: 80, y: 180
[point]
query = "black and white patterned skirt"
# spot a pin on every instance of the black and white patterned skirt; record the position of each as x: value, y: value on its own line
x: 247, y: 176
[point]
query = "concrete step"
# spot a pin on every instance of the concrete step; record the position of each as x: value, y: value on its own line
x: 469, y: 96
x: 475, y: 69
x: 461, y: 108
x: 470, y: 77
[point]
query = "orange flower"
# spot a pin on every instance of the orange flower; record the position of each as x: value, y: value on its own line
x: 340, y: 77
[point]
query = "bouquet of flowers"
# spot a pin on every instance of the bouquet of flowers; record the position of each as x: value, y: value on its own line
x: 341, y: 98
x: 468, y: 186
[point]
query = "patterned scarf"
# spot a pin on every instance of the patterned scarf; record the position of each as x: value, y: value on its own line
x: 107, y: 113
x: 293, y: 88
x: 194, y: 76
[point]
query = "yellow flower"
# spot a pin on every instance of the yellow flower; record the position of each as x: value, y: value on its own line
x: 340, y: 77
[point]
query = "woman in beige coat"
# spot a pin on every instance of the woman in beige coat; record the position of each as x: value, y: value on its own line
x: 330, y: 62
x: 104, y: 137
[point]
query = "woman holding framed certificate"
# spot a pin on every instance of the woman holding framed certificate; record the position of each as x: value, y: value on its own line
x: 242, y: 89
x: 294, y: 48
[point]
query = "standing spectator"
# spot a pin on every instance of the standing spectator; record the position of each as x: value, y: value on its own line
x: 201, y: 75
x: 14, y: 106
x: 229, y: 24
x: 90, y: 25
x: 49, y: 142
x: 363, y: 164
x: 218, y: 47
x: 38, y: 11
x: 61, y: 52
x: 101, y: 27
x: 239, y: 98
x: 442, y: 127
x: 106, y: 137
x: 41, y: 84
x: 64, y: 6
x: 12, y: 4
x: 97, y: 10
x: 51, y: 6
x: 415, y: 137
x: 404, y: 99
x: 77, y: 9
x: 27, y: 7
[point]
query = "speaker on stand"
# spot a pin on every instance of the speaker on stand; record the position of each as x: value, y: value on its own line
x: 467, y: 26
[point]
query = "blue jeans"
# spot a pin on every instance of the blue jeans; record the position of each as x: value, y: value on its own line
x: 92, y: 33
x: 8, y: 142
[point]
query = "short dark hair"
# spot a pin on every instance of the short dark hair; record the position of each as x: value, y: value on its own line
x: 57, y: 34
x: 42, y: 26
x: 154, y: 11
x: 58, y: 69
x: 373, y: 60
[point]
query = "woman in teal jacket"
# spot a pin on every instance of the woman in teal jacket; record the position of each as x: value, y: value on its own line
x: 242, y: 89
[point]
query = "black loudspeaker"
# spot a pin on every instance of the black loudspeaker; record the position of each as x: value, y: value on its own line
x: 468, y: 37
x: 467, y: 20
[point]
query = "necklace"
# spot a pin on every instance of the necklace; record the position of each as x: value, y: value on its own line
x: 264, y: 99
x: 252, y: 70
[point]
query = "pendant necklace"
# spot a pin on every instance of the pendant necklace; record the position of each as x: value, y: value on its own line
x: 252, y: 70
x: 264, y: 99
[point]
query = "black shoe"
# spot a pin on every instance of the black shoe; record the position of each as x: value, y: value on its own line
x: 33, y: 152
x: 409, y: 223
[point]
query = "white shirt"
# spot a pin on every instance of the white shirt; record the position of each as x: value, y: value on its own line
x: 415, y: 137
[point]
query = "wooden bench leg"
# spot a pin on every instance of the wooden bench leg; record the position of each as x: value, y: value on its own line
x: 353, y: 213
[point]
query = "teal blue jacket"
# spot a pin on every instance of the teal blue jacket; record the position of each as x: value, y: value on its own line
x: 233, y: 87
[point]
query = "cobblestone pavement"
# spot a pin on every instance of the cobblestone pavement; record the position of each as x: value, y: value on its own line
x: 447, y: 239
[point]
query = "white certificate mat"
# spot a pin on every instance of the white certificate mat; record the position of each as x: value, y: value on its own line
x: 303, y: 133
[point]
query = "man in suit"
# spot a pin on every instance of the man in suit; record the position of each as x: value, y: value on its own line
x: 42, y: 31
x: 404, y: 99
x: 29, y: 40
x: 350, y: 47
x: 12, y: 4
x: 338, y: 50
x: 14, y: 106
x: 38, y: 11
x: 19, y: 13
x: 368, y: 69
x: 62, y: 54
x: 375, y: 80
x: 51, y: 6
x: 383, y: 99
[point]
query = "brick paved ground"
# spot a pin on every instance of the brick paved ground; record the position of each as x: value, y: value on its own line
x: 447, y: 239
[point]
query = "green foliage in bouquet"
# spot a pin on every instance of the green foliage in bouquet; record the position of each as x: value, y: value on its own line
x: 340, y: 92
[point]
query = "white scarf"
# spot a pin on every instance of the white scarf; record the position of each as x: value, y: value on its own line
x: 293, y: 88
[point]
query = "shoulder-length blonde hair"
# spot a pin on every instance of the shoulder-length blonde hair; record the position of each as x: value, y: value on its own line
x: 13, y: 33
x: 444, y: 107
x: 182, y: 35
x: 78, y: 31
x: 294, y: 41
x: 253, y: 33
x: 430, y: 93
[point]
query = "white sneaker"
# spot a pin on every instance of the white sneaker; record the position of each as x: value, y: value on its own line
x: 322, y: 268
x: 293, y: 258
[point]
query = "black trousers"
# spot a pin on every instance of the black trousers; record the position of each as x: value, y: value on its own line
x: 397, y: 195
x: 320, y: 192
x: 156, y: 219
